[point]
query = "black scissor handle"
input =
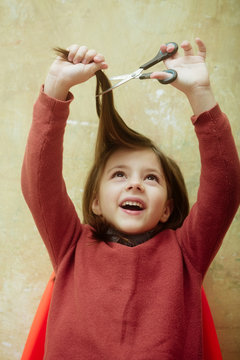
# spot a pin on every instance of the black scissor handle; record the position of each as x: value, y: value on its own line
x: 169, y: 80
x: 160, y: 57
x: 164, y: 81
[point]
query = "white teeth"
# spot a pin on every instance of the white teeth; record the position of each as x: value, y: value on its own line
x: 132, y: 203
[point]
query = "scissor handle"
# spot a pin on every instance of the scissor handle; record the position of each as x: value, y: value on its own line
x: 160, y: 57
x: 164, y: 81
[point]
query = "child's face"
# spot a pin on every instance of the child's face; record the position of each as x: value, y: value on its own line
x: 133, y: 193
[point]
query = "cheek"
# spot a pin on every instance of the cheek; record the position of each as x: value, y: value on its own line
x: 159, y: 198
x: 109, y: 195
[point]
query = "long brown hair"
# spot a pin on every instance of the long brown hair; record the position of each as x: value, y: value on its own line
x: 113, y: 134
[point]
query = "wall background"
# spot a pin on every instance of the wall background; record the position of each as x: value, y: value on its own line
x: 128, y: 33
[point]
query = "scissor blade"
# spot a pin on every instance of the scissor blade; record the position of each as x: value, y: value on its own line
x: 128, y: 77
x: 119, y: 77
x: 116, y: 85
x: 133, y: 75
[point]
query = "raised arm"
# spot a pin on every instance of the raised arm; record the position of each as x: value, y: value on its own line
x: 42, y: 181
x: 219, y: 191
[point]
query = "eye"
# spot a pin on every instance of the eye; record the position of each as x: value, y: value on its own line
x: 118, y: 174
x: 152, y: 177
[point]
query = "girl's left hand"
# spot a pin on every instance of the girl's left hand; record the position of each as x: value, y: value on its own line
x: 191, y: 68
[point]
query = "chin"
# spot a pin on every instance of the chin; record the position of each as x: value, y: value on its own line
x: 133, y: 231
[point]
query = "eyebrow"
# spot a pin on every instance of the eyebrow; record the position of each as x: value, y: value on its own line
x: 117, y: 167
x: 152, y: 170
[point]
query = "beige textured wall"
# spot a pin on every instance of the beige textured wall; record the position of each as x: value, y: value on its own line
x: 128, y: 32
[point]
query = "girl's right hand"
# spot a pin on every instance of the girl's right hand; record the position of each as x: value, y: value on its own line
x: 82, y: 64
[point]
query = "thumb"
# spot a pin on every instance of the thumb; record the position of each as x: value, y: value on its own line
x: 161, y: 75
x: 94, y: 67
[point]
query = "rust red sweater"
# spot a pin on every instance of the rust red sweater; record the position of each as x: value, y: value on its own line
x: 114, y: 302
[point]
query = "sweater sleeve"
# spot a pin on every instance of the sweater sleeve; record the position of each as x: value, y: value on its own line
x: 219, y: 192
x: 42, y: 182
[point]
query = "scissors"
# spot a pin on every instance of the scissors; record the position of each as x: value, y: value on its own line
x: 138, y: 73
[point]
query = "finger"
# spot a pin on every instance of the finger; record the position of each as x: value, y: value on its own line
x: 104, y: 66
x: 201, y: 48
x: 72, y: 51
x: 187, y: 47
x: 94, y: 67
x: 168, y: 48
x: 89, y: 55
x: 161, y: 75
x: 163, y: 48
x: 99, y: 58
x: 80, y: 54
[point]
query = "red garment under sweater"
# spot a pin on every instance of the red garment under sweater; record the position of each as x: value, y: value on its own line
x: 110, y: 301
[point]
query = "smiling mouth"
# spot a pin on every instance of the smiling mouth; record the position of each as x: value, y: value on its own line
x: 132, y: 205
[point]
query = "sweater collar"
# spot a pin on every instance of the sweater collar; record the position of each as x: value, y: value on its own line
x: 129, y: 240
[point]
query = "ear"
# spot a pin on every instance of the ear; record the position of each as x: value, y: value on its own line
x: 96, y: 207
x: 167, y: 211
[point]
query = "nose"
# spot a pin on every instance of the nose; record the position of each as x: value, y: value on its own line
x: 135, y: 185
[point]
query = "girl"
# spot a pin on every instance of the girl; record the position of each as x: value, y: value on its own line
x: 128, y: 280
